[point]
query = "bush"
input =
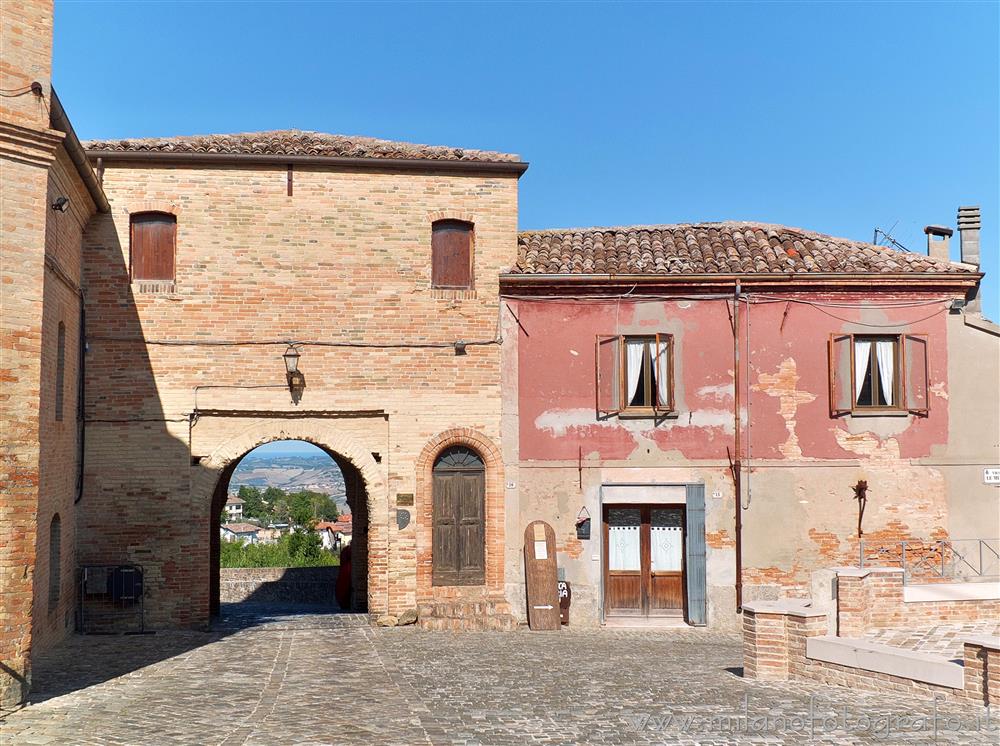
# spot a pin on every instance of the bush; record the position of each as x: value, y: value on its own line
x: 300, y: 549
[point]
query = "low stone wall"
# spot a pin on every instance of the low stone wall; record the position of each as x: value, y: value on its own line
x: 869, y: 599
x: 306, y: 585
x: 784, y: 640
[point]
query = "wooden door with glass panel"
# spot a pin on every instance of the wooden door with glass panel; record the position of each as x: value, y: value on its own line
x: 643, y: 560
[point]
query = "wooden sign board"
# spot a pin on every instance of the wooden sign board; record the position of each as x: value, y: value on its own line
x: 541, y: 576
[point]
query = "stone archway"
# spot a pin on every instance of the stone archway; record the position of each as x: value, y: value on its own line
x: 361, y: 473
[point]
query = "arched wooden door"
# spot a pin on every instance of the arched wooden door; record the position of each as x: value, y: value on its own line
x: 459, y: 495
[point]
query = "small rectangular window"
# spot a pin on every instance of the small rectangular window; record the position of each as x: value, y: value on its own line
x: 153, y: 243
x: 451, y: 254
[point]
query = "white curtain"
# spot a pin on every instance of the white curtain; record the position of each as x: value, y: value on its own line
x: 862, y: 357
x: 623, y: 547
x: 885, y: 351
x: 661, y: 371
x: 633, y: 352
x: 665, y: 545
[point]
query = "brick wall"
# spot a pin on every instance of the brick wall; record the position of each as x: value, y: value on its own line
x: 873, y: 599
x: 345, y: 260
x: 40, y: 274
x: 775, y: 644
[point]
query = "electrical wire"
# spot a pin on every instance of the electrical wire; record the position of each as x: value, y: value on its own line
x: 15, y: 92
x: 289, y: 342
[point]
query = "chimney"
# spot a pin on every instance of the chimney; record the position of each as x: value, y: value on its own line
x: 937, y: 241
x: 968, y: 229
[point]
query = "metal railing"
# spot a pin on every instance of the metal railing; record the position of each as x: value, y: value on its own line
x: 935, y: 560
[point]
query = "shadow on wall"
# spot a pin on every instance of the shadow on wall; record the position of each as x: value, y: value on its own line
x: 135, y: 507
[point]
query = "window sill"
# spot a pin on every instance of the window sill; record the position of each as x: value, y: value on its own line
x: 880, y: 413
x: 646, y: 414
x: 454, y: 293
x: 154, y: 287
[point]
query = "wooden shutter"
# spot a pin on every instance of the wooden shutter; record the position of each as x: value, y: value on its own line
x: 152, y: 250
x: 915, y: 374
x: 451, y: 254
x: 664, y: 366
x: 607, y: 374
x: 841, y: 374
x: 694, y: 550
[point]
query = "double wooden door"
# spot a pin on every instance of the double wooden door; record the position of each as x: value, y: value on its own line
x: 643, y: 560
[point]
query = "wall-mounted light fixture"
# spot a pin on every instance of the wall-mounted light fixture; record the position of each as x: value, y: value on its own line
x: 583, y: 523
x: 61, y: 204
x: 460, y: 347
x: 296, y: 381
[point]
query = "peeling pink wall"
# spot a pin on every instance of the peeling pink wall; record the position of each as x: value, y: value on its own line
x: 788, y: 376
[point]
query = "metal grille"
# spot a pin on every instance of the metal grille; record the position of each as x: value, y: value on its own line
x: 111, y: 600
x: 944, y: 560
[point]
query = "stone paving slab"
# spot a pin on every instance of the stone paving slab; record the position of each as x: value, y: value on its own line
x: 285, y: 678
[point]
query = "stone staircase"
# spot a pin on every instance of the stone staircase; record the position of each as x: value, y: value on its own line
x: 467, y: 615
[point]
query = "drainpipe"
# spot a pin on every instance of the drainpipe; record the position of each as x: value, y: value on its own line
x: 81, y: 424
x: 737, y: 465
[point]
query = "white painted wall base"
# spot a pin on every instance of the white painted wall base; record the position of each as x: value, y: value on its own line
x: 952, y: 592
x: 873, y: 656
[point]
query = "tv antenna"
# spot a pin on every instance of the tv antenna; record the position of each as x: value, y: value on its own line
x: 887, y: 237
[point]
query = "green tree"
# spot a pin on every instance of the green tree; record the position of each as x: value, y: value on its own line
x: 253, y: 503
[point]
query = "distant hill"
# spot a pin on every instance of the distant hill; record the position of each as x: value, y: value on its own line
x: 291, y: 473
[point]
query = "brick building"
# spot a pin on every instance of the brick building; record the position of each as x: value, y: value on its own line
x: 451, y: 367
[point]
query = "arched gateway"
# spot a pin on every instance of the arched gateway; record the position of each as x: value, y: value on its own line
x: 364, y: 480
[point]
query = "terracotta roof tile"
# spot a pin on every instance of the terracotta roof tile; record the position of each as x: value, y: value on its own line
x: 297, y: 142
x: 712, y: 248
x: 241, y: 528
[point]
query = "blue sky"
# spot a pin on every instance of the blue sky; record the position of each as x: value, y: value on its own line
x: 288, y: 448
x: 833, y: 117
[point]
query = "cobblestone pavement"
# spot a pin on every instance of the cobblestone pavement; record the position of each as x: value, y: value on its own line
x: 269, y: 679
x: 944, y: 639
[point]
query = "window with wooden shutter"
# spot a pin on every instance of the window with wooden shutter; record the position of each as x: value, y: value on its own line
x: 458, y: 550
x: 872, y: 373
x: 635, y: 375
x: 153, y: 243
x: 451, y: 254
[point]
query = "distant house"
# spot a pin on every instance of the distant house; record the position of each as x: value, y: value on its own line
x: 234, y: 509
x: 335, y: 535
x: 244, y: 532
x: 269, y: 535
